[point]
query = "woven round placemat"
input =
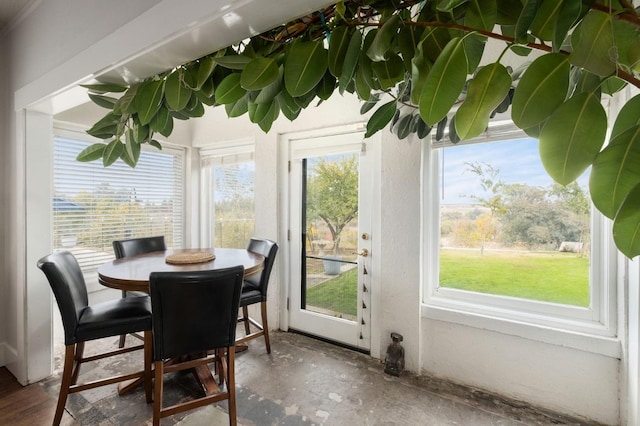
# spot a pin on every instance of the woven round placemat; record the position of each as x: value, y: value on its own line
x: 190, y: 257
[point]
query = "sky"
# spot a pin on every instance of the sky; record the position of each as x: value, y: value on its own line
x: 518, y: 161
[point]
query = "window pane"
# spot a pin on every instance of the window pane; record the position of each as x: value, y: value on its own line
x: 94, y: 205
x: 234, y: 209
x: 507, y: 229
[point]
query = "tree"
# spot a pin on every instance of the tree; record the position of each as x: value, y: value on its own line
x: 486, y: 224
x: 332, y: 195
x: 425, y: 57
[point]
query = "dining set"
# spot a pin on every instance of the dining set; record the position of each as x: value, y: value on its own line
x: 184, y: 304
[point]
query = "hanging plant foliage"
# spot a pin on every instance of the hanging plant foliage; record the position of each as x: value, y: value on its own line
x: 417, y: 65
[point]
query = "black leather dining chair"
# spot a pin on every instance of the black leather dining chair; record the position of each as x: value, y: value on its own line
x: 194, y: 324
x: 83, y: 322
x: 254, y: 290
x: 133, y: 247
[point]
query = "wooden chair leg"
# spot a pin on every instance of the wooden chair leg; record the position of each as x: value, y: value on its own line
x: 123, y: 337
x: 157, y: 391
x: 77, y: 361
x: 265, y: 326
x: 67, y: 372
x: 148, y: 351
x: 231, y: 385
x: 245, y: 318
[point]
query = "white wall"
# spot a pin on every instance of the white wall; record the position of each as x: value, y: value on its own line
x: 5, y: 195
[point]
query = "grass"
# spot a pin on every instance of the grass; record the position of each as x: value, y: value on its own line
x: 545, y: 276
x: 339, y: 294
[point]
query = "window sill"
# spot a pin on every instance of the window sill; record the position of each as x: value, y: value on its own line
x: 594, y: 338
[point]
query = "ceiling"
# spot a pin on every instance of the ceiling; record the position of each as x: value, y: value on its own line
x: 10, y: 10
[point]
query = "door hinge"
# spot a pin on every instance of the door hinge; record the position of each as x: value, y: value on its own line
x: 288, y: 234
x: 287, y: 303
x: 289, y: 166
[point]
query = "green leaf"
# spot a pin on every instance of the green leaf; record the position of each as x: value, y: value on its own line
x: 420, y: 67
x: 628, y: 116
x: 340, y: 38
x: 543, y: 25
x: 444, y: 83
x: 148, y: 99
x: 126, y: 104
x: 304, y: 67
x: 270, y: 92
x: 384, y: 37
x: 270, y: 117
x: 233, y: 62
x: 626, y: 226
x: 615, y: 172
x: 105, y: 87
x: 486, y: 91
x: 162, y: 122
x: 205, y: 68
x: 154, y: 143
x: 568, y: 15
x: 481, y: 14
x: 389, y: 72
x: 350, y: 63
x: 106, y: 125
x: 474, y: 49
x: 369, y: 104
x: 525, y: 19
x: 257, y: 112
x: 259, y: 73
x: 103, y: 101
x: 380, y: 118
x: 112, y: 152
x: 131, y: 153
x: 542, y: 88
x: 140, y: 133
x: 288, y: 106
x: 422, y: 130
x: 572, y: 137
x: 327, y: 85
x: 407, y: 42
x: 405, y: 126
x: 449, y: 5
x: 237, y: 108
x: 613, y: 85
x: 175, y: 92
x: 229, y: 90
x: 91, y: 153
x: 592, y: 43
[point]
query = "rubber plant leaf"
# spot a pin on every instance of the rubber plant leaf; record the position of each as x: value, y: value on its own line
x: 112, y: 152
x: 592, y: 42
x: 380, y: 118
x: 543, y: 25
x: 338, y: 46
x: 257, y: 112
x: 382, y: 42
x: 229, y: 90
x: 351, y: 57
x: 481, y: 14
x: 107, y: 102
x: 131, y: 152
x: 626, y: 226
x: 541, y: 89
x: 448, y: 5
x: 237, y: 108
x: 259, y: 73
x: 615, y: 172
x: 444, y: 83
x: 162, y: 122
x: 270, y: 92
x: 628, y: 116
x: 176, y: 92
x: 270, y: 117
x: 288, y: 106
x: 327, y: 85
x: 126, y: 104
x: 304, y: 67
x: 104, y: 88
x: 389, y: 72
x: 567, y: 16
x: 572, y: 137
x: 420, y: 67
x: 407, y: 41
x: 233, y: 62
x: 148, y: 99
x: 405, y: 125
x: 107, y: 125
x: 205, y: 69
x: 91, y: 153
x: 525, y: 19
x: 485, y: 92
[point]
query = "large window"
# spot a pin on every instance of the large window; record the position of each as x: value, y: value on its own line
x: 228, y: 189
x: 93, y: 205
x: 508, y: 241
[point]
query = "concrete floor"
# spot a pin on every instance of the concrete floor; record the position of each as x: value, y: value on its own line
x: 302, y: 382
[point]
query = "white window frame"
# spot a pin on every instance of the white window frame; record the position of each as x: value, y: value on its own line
x: 75, y: 132
x: 240, y: 147
x: 592, y: 328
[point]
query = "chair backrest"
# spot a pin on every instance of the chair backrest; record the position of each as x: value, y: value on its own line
x: 268, y: 249
x: 194, y: 311
x: 69, y: 288
x: 135, y: 246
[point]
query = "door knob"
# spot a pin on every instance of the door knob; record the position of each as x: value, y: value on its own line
x: 364, y: 252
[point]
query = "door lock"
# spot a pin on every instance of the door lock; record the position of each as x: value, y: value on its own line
x: 364, y: 252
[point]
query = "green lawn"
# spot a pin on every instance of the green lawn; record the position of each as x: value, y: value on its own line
x: 546, y: 276
x: 338, y: 294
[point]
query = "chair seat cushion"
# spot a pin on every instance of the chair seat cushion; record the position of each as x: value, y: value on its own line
x: 250, y: 296
x: 114, y: 317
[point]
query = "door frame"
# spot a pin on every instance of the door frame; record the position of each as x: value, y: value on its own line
x: 284, y: 144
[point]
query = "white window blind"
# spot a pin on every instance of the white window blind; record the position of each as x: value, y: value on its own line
x: 93, y: 205
x: 228, y: 182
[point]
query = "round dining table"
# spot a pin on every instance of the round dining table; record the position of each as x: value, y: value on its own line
x: 132, y: 274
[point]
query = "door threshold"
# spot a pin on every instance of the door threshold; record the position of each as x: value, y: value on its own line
x: 331, y: 342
